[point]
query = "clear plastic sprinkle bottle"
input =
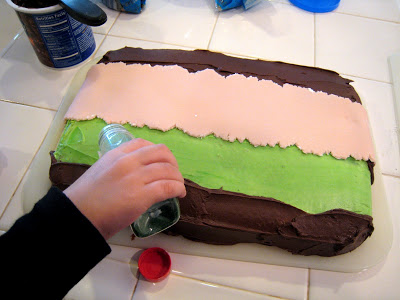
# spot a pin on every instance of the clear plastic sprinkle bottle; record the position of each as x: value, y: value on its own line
x: 161, y: 215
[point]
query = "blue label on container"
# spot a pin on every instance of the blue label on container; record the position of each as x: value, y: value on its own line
x: 68, y: 41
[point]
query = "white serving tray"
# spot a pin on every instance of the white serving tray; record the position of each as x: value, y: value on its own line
x: 370, y: 253
x: 394, y: 62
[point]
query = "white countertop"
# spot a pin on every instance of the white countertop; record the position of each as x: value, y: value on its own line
x: 355, y: 40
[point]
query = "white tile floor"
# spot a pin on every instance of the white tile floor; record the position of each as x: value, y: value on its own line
x: 18, y: 149
x: 171, y: 22
x: 378, y: 99
x: 111, y: 17
x: 386, y: 10
x: 10, y: 25
x: 270, y: 31
x: 279, y: 281
x: 43, y: 87
x: 110, y: 279
x: 342, y: 37
x: 177, y: 287
x: 354, y: 40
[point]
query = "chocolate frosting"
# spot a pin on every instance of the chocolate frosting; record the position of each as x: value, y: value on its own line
x: 317, y: 79
x: 221, y: 217
x: 225, y: 218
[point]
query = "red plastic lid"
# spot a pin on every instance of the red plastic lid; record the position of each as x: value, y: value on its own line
x: 155, y: 264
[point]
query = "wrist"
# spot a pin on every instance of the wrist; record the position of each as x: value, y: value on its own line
x: 82, y: 203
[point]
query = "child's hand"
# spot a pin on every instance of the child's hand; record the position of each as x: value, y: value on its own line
x: 124, y: 183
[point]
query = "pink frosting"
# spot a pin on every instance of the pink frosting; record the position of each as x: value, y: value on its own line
x: 233, y: 107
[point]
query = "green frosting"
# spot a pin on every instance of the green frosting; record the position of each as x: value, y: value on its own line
x: 309, y: 182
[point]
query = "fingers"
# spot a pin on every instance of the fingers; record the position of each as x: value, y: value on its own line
x: 134, y: 145
x: 124, y: 150
x: 147, y: 153
x: 161, y: 171
x: 150, y: 154
x: 153, y: 165
x: 164, y: 189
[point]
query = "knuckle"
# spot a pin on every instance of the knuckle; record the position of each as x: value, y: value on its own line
x: 167, y: 188
x: 140, y: 141
x: 120, y: 164
x: 162, y: 148
x: 168, y: 169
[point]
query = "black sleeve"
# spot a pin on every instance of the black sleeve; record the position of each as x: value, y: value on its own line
x: 47, y: 251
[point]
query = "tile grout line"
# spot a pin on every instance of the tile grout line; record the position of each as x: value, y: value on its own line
x: 95, y: 52
x: 112, y: 25
x: 377, y: 80
x: 136, y: 285
x: 229, y: 287
x: 105, y: 35
x: 151, y: 41
x: 344, y: 74
x: 212, y: 32
x: 366, y: 17
x: 16, y: 188
x: 4, y: 51
x: 23, y: 175
x: 347, y: 14
x: 391, y: 175
x: 200, y: 280
x: 138, y: 275
x: 308, y: 284
x: 28, y: 105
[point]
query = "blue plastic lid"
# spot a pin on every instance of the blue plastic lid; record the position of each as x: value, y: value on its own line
x: 317, y: 6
